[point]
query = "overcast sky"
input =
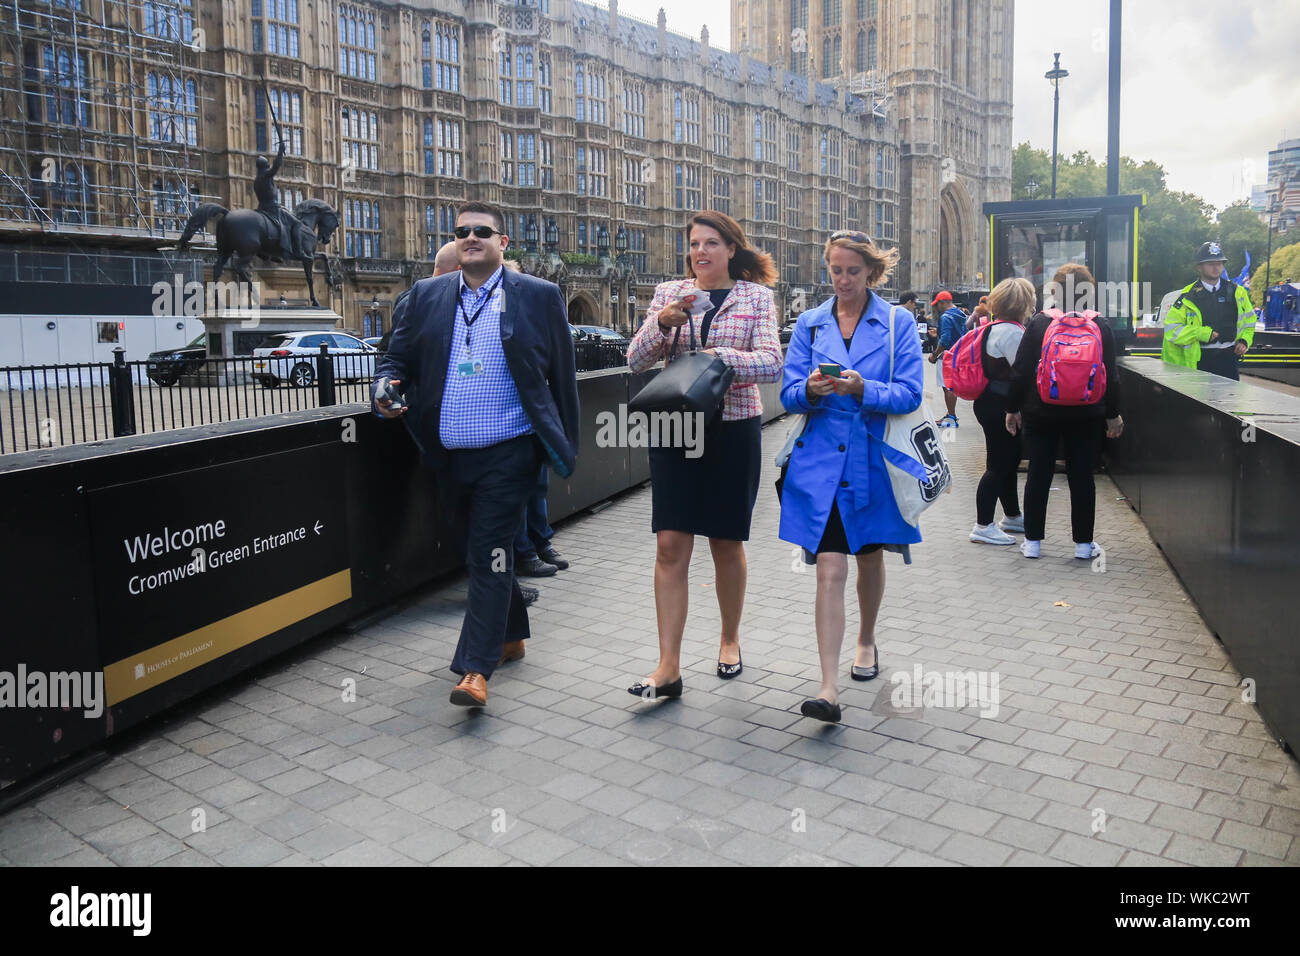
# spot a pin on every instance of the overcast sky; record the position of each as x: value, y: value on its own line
x: 1208, y: 87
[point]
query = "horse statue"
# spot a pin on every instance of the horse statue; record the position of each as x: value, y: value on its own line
x: 243, y: 234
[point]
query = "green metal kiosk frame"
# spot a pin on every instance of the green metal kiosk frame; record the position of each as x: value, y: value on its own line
x: 1033, y: 238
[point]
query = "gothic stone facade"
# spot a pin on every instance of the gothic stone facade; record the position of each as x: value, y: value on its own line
x: 946, y: 67
x: 558, y: 110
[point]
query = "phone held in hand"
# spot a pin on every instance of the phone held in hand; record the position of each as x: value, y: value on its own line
x: 387, y: 390
x: 829, y: 369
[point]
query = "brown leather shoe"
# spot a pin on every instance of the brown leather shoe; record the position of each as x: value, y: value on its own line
x: 512, y: 651
x: 471, y: 691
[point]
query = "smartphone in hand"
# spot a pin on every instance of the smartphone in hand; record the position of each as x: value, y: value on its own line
x: 829, y: 369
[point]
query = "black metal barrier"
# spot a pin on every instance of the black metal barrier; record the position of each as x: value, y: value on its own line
x: 165, y: 563
x: 1211, y: 466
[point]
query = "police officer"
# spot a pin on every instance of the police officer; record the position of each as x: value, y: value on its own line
x: 1212, y: 323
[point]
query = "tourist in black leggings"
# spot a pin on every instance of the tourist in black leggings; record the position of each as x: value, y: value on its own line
x: 1078, y: 427
x: 1010, y: 305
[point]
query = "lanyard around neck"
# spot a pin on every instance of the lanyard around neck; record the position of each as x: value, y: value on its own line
x: 471, y: 319
x: 460, y: 303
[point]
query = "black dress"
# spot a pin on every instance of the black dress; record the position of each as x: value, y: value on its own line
x: 714, y: 494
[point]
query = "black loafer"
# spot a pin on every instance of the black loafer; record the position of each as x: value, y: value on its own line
x: 534, y: 567
x: 728, y: 671
x: 648, y: 691
x: 820, y: 709
x: 867, y: 673
x: 551, y: 556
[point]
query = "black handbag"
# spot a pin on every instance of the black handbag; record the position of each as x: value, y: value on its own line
x: 692, y: 382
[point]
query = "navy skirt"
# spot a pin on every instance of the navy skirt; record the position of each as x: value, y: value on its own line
x: 713, y: 494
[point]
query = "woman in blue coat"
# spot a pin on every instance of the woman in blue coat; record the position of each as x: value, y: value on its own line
x: 836, y: 499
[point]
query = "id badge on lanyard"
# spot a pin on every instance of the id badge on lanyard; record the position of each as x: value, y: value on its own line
x: 469, y: 366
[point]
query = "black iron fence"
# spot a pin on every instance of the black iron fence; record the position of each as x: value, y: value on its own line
x: 45, y: 406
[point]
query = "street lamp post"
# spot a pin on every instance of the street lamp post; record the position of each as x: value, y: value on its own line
x: 1031, y: 187
x: 620, y: 251
x: 1268, y: 258
x: 1055, y: 74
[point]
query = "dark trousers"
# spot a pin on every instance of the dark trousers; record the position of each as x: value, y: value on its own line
x: 1220, y: 362
x: 1082, y: 440
x: 535, y: 531
x: 489, y: 487
x: 1001, y: 459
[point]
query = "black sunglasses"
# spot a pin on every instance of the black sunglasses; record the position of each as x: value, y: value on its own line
x: 482, y: 232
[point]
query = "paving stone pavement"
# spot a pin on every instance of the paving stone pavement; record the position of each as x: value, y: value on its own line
x: 1120, y: 738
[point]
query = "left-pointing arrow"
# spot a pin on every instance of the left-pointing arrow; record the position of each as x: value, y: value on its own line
x: 318, y: 527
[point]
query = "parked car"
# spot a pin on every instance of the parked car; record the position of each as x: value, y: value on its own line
x: 373, y: 341
x: 167, y: 366
x: 291, y: 357
x: 599, y: 332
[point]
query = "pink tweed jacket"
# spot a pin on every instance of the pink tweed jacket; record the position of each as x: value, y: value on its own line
x: 743, y: 334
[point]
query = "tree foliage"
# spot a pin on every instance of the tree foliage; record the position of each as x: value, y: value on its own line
x: 1285, y: 264
x: 1172, y: 224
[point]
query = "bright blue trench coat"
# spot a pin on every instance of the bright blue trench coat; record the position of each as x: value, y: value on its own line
x: 838, y: 458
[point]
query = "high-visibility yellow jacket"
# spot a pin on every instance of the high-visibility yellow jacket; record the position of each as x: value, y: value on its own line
x: 1184, y: 332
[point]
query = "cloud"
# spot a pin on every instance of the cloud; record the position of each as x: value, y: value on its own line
x: 1205, y: 89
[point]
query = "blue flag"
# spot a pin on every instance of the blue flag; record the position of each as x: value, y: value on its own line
x: 1244, y: 278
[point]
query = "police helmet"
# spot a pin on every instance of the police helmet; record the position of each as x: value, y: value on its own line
x: 1210, y: 252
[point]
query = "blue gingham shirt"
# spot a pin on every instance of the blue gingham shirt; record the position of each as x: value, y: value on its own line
x: 482, y: 409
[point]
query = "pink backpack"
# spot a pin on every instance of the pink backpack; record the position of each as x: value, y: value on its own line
x: 1071, y: 370
x: 963, y: 364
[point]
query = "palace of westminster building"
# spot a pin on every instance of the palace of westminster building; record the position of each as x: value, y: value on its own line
x: 599, y: 133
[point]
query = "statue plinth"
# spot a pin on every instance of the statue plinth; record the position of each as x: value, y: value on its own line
x: 234, y: 333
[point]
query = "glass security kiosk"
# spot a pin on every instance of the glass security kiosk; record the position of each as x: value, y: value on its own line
x: 1033, y: 238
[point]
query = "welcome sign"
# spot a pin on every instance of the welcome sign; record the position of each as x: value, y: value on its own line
x: 190, y: 567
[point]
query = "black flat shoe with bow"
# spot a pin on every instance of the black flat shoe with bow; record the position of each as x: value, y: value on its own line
x: 648, y: 691
x: 820, y: 709
x: 728, y: 671
x: 867, y: 673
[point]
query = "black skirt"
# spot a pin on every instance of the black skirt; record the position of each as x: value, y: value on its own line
x: 713, y: 494
x: 835, y: 539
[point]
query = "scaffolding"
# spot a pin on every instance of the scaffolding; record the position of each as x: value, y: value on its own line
x: 871, y: 92
x: 78, y: 80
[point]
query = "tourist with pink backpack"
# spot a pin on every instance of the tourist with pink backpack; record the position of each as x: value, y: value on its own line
x: 1065, y: 390
x: 978, y: 369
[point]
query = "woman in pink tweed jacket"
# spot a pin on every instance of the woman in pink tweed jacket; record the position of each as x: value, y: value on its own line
x: 709, y: 491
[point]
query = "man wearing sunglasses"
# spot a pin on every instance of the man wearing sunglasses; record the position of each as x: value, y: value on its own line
x: 484, y: 360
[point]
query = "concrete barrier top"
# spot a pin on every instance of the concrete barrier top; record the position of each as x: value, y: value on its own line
x: 1268, y: 410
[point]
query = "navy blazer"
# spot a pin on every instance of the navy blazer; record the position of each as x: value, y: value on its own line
x: 538, y: 350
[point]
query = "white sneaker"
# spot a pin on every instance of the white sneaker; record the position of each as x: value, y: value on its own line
x: 1016, y: 524
x: 1087, y: 551
x: 989, y: 534
x: 1030, y: 549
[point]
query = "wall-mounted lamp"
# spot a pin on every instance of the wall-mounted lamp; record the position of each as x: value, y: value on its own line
x: 374, y: 303
x: 283, y: 303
